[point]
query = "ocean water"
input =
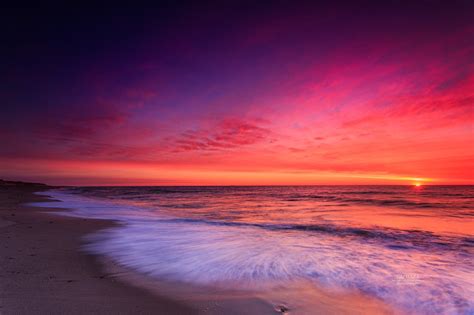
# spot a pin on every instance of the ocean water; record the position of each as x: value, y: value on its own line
x: 412, y: 247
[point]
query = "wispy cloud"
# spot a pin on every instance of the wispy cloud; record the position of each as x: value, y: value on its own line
x: 229, y: 133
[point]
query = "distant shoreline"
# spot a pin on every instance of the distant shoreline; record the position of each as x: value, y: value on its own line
x: 47, y: 186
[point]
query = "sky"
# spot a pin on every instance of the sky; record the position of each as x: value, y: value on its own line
x: 239, y: 93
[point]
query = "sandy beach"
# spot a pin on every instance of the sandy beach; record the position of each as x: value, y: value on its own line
x: 42, y: 270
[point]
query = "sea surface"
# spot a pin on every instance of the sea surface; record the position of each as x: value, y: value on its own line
x: 412, y: 247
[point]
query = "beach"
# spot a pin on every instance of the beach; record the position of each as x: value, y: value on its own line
x: 156, y: 250
x: 43, y: 271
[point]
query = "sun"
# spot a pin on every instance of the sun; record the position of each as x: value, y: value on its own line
x: 417, y: 184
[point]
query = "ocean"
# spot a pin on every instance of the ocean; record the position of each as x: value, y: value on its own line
x: 411, y: 247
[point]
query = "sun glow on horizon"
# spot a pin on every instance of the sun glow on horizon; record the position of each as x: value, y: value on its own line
x: 115, y: 173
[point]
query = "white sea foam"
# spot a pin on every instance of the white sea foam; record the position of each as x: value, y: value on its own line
x: 254, y: 258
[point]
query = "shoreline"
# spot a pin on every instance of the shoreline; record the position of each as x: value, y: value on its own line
x: 44, y: 261
x: 43, y: 270
x: 43, y: 254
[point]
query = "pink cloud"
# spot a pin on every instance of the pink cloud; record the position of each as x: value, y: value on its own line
x: 226, y: 134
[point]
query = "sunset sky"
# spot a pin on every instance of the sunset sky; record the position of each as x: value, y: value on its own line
x: 225, y: 92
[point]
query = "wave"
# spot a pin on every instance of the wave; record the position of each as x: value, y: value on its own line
x: 411, y: 239
x: 389, y: 264
x: 248, y: 258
